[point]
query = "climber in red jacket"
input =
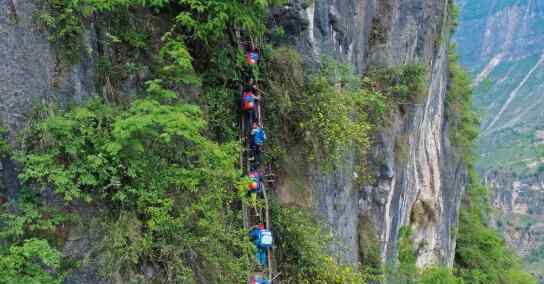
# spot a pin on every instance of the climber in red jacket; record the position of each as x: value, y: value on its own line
x: 249, y: 105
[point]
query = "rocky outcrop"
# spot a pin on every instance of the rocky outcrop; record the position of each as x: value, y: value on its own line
x: 520, y: 214
x: 419, y: 178
x: 520, y: 201
x: 31, y: 71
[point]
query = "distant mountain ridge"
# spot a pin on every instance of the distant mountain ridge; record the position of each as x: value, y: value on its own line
x: 502, y: 43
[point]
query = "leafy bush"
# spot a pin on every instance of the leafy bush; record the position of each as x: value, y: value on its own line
x: 27, y: 239
x: 463, y: 121
x: 439, y: 275
x: 29, y: 262
x: 302, y: 247
x: 327, y: 111
x: 481, y: 254
x: 402, y: 83
x: 203, y: 20
x: 406, y: 271
x: 152, y: 160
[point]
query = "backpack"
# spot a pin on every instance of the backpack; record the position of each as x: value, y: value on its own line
x: 255, y: 182
x: 252, y: 57
x: 265, y: 239
x: 259, y: 136
x: 248, y: 101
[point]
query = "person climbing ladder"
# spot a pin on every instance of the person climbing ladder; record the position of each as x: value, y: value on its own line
x: 262, y: 238
x: 249, y: 105
x: 258, y: 137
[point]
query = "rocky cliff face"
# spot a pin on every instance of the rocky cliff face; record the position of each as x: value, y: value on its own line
x: 420, y: 179
x: 31, y: 70
x: 32, y: 73
x: 520, y: 214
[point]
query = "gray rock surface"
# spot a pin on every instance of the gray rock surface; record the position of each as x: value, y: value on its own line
x: 30, y: 71
x: 424, y: 190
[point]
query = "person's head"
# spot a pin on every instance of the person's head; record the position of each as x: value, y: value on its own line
x: 255, y: 124
x: 261, y: 226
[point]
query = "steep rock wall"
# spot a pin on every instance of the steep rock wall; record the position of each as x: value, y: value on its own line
x: 32, y: 72
x: 422, y: 190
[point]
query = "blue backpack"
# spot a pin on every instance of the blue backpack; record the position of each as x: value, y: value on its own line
x: 265, y: 239
x: 259, y: 136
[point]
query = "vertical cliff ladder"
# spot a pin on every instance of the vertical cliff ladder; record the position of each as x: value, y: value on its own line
x: 254, y: 214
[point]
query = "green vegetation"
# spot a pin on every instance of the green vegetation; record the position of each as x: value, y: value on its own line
x: 302, y: 245
x: 463, y: 121
x: 369, y: 245
x: 27, y: 263
x: 205, y: 21
x: 481, y: 254
x: 439, y: 275
x: 405, y: 270
x: 328, y: 111
x: 402, y: 83
x: 28, y: 236
x: 27, y: 242
x: 166, y: 186
x: 160, y: 172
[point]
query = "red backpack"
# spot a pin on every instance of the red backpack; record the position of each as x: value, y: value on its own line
x: 252, y: 57
x: 248, y: 101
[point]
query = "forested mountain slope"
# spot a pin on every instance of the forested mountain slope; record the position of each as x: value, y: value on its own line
x: 501, y: 42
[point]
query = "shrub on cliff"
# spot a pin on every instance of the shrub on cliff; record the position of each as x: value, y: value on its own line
x: 32, y: 261
x: 303, y: 245
x: 463, y: 121
x: 402, y: 83
x: 152, y: 160
x: 329, y: 110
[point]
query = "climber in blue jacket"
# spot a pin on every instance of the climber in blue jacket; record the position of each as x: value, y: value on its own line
x: 258, y: 137
x: 262, y: 238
